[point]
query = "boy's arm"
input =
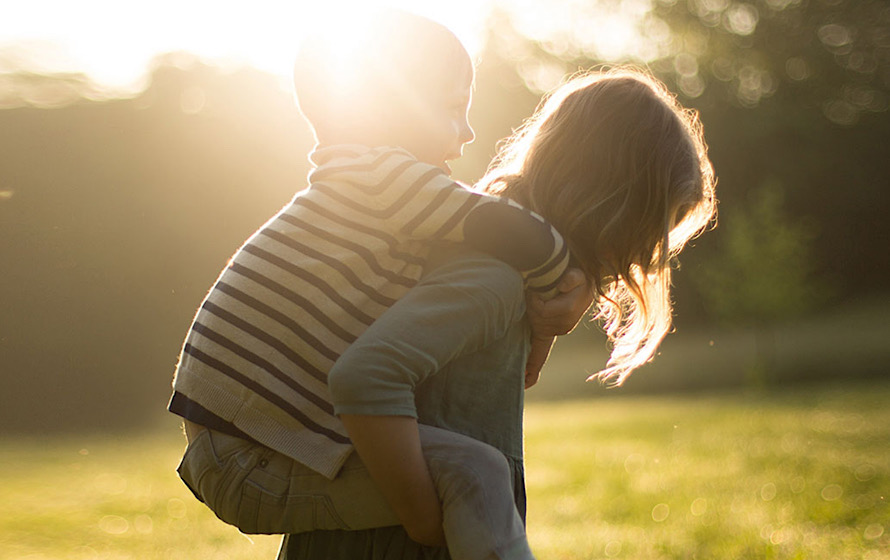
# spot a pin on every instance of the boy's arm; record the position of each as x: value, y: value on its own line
x: 407, y: 197
x: 390, y: 448
x: 522, y: 239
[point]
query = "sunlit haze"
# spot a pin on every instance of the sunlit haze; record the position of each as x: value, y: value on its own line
x: 113, y: 41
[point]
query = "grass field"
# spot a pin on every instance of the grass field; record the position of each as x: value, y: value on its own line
x: 802, y: 475
x: 780, y: 476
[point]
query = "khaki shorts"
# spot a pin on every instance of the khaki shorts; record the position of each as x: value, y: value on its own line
x: 262, y: 491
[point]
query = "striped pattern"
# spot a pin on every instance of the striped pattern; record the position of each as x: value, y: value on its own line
x: 308, y: 283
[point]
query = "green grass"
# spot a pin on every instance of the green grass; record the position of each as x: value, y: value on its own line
x: 784, y: 475
x: 802, y: 475
x: 110, y: 498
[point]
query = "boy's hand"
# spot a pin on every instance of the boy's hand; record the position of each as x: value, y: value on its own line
x: 561, y: 314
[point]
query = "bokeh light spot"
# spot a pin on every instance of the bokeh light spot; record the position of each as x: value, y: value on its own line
x: 834, y: 35
x: 864, y: 472
x: 692, y: 86
x: 832, y: 492
x: 192, y: 100
x: 176, y: 508
x: 864, y: 501
x: 841, y: 112
x: 634, y: 463
x: 780, y: 535
x: 540, y: 75
x: 873, y: 531
x: 612, y: 549
x: 661, y: 512
x: 712, y: 5
x: 779, y: 5
x: 111, y: 483
x: 143, y: 524
x: 797, y: 68
x: 685, y: 64
x: 741, y: 19
x: 114, y: 525
x: 768, y: 492
x: 84, y: 552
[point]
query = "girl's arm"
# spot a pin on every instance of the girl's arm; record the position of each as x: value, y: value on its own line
x: 457, y: 309
x: 390, y: 448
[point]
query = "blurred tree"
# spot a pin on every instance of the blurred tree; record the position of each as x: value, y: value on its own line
x: 21, y: 89
x: 795, y: 90
x: 833, y: 55
x: 763, y: 272
x: 115, y: 217
x: 21, y: 86
x: 830, y: 54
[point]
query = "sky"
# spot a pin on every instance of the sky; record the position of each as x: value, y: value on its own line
x: 114, y: 40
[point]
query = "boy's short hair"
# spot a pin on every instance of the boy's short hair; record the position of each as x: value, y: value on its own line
x: 384, y: 72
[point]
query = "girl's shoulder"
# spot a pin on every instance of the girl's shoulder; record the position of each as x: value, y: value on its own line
x: 478, y: 275
x: 460, y: 261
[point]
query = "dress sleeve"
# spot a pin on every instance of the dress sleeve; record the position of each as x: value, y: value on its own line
x: 458, y: 308
x: 419, y: 201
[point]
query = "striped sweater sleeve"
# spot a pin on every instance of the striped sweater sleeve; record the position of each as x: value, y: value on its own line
x: 419, y: 201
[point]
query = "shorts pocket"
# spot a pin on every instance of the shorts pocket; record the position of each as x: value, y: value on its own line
x: 214, y: 467
x: 196, y: 462
x: 263, y: 513
x: 251, y: 487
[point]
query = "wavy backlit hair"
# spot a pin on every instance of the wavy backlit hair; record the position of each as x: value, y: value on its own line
x: 614, y: 162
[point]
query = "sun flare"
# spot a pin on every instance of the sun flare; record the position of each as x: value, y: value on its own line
x: 107, y: 41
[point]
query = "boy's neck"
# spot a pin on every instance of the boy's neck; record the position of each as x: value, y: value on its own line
x: 324, y: 152
x: 372, y: 139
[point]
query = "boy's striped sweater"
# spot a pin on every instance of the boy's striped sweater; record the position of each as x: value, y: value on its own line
x: 312, y: 279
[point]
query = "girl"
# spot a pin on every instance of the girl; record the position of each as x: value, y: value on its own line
x: 266, y: 451
x: 621, y: 170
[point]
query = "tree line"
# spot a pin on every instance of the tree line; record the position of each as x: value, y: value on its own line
x: 116, y: 215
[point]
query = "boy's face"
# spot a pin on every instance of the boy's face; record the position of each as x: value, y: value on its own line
x: 439, y: 136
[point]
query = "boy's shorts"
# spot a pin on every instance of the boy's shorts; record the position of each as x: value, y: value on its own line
x: 262, y: 491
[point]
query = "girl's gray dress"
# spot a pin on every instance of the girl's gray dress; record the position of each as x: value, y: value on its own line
x: 478, y: 393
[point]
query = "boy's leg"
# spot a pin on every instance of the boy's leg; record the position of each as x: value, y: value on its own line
x: 473, y: 480
x: 262, y: 491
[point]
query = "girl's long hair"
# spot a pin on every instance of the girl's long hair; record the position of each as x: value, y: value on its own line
x: 621, y: 170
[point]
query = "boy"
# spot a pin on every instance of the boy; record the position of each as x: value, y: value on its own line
x: 300, y: 290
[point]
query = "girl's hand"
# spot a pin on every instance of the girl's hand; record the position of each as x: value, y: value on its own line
x: 555, y: 317
x: 540, y: 349
x: 561, y: 314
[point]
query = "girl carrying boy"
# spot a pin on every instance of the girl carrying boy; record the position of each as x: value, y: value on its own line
x: 611, y: 161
